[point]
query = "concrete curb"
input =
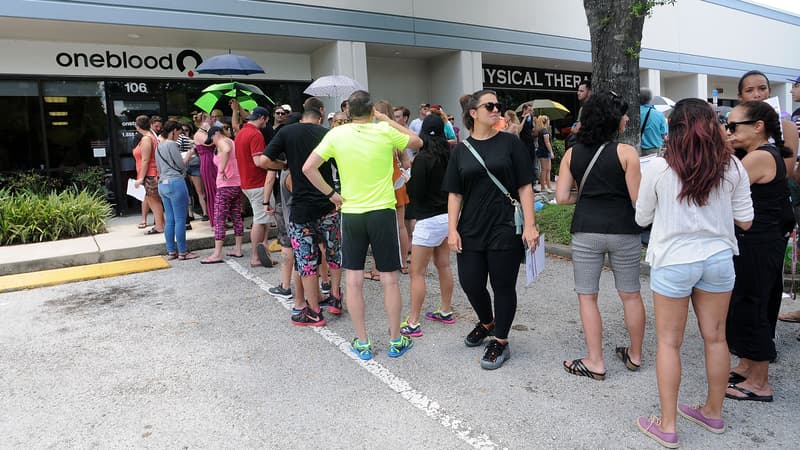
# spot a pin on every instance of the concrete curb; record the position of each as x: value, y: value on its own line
x: 119, y: 243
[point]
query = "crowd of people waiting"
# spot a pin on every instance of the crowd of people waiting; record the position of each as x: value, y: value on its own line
x: 717, y: 198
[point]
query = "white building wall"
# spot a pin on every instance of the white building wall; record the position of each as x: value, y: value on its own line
x: 689, y: 86
x: 401, y: 81
x: 340, y: 58
x: 693, y: 27
x: 454, y: 75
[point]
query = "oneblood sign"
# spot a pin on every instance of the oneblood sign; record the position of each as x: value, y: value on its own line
x: 129, y: 60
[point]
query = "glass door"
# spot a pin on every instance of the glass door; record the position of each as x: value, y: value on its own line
x: 128, y: 100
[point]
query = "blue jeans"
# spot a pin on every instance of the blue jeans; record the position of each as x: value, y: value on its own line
x: 175, y: 198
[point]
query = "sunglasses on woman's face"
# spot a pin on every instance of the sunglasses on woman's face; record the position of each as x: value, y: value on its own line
x: 731, y: 126
x: 340, y: 121
x: 490, y: 106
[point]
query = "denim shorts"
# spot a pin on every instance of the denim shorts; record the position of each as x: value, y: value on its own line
x: 714, y: 274
x: 193, y: 171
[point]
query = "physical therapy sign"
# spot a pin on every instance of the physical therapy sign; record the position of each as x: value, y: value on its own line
x: 509, y: 77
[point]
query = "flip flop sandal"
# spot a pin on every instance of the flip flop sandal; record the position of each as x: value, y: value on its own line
x: 171, y: 255
x: 577, y: 368
x: 152, y: 231
x: 372, y: 275
x: 622, y: 354
x: 186, y: 256
x: 748, y: 395
x: 735, y: 378
x: 142, y: 225
x: 234, y: 255
x: 211, y: 261
x: 263, y: 256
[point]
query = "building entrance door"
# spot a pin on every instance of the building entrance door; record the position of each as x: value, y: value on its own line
x: 126, y: 101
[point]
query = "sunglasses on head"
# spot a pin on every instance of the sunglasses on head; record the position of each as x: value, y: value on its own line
x: 731, y: 126
x: 490, y: 106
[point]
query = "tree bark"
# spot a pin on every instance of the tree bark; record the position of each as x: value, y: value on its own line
x: 615, y: 28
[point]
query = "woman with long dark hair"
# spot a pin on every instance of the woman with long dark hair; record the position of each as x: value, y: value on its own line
x: 430, y: 234
x: 692, y: 196
x: 754, y: 127
x: 481, y: 224
x: 607, y: 174
x: 173, y: 191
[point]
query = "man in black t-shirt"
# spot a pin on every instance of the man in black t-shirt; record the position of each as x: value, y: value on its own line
x: 313, y: 217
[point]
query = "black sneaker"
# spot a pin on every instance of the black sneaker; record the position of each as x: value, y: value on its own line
x: 496, y: 354
x: 279, y: 291
x: 308, y: 318
x: 477, y: 335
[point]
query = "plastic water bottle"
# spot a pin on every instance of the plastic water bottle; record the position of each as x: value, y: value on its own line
x: 715, y: 99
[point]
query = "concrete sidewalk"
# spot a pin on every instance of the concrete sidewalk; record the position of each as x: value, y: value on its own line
x: 122, y: 241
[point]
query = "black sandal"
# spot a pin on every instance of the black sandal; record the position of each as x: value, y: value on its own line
x: 622, y: 353
x: 577, y: 368
x: 735, y: 378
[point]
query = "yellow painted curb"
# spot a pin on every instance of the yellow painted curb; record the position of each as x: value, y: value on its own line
x: 80, y: 273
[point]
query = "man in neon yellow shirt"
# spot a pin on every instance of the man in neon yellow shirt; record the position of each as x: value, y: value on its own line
x: 364, y: 154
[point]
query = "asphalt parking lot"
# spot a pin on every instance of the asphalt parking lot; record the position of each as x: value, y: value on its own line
x: 201, y: 357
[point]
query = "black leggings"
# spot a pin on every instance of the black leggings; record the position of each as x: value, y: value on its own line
x: 501, y: 267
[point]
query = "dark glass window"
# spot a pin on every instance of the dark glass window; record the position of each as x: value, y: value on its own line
x: 75, y: 124
x: 21, y: 146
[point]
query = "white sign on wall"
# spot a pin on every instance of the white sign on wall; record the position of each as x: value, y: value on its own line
x: 79, y: 59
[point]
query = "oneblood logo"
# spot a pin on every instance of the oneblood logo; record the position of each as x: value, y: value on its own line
x: 125, y: 60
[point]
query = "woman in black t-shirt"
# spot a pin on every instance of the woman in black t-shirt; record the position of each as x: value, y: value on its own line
x: 481, y: 221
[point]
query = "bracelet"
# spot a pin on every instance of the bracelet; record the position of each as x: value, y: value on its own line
x: 330, y: 194
x: 265, y: 203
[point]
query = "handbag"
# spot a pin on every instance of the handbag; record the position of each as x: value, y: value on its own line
x: 519, y: 219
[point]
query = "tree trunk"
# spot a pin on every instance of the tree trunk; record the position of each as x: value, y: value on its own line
x: 615, y: 28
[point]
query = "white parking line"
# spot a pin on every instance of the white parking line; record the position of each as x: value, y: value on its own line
x: 418, y: 399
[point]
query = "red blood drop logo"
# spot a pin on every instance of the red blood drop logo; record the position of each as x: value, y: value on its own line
x: 191, y: 73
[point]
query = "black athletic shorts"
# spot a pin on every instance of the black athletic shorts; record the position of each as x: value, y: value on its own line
x: 375, y: 228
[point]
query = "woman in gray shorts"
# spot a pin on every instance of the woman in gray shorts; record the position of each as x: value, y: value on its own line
x: 604, y: 223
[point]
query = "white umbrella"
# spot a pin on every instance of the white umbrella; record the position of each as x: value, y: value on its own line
x: 333, y: 86
x: 662, y: 103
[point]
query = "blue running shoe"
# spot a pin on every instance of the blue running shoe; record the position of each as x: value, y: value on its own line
x: 364, y: 351
x: 399, y: 347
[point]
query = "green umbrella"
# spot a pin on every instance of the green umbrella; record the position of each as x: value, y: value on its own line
x: 243, y: 93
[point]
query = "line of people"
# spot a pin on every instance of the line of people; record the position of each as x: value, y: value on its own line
x: 720, y: 221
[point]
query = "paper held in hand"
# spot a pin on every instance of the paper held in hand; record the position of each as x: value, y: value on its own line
x: 534, y: 261
x: 133, y: 191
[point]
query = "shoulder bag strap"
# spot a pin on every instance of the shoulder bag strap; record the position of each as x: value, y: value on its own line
x: 492, y: 177
x: 168, y: 163
x: 589, y: 168
x: 646, y: 116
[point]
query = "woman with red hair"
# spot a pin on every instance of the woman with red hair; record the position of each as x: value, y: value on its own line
x: 693, y: 196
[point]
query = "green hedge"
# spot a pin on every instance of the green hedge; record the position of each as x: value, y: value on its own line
x: 27, y: 216
x: 558, y: 153
x: 554, y: 221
